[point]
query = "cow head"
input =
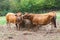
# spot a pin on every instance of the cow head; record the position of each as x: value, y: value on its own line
x: 19, y: 17
x: 27, y: 16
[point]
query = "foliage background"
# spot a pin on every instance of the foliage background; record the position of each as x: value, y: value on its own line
x: 28, y: 6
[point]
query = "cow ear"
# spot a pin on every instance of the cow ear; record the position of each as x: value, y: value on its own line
x: 26, y: 14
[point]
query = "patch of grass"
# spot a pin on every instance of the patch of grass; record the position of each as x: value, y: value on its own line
x: 58, y: 15
x: 2, y: 20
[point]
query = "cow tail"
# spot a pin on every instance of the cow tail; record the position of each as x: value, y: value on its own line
x: 54, y: 21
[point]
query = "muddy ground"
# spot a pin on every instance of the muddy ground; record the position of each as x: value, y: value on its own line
x: 7, y: 33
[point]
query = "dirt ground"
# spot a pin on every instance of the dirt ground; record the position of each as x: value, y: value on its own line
x: 10, y: 33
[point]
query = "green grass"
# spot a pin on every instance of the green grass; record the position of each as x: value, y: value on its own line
x: 58, y: 17
x: 3, y: 20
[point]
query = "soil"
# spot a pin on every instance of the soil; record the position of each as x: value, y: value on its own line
x: 10, y: 33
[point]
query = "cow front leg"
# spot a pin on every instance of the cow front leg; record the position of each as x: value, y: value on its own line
x: 35, y: 28
x: 16, y: 26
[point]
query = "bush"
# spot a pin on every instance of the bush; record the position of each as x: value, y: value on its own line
x: 28, y: 5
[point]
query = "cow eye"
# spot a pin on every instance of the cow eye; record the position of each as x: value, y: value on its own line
x: 15, y: 15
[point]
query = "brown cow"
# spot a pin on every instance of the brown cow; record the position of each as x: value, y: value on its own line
x: 19, y: 20
x: 15, y: 19
x: 10, y: 18
x: 41, y: 19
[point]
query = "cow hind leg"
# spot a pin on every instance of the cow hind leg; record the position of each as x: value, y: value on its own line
x: 54, y: 21
x: 36, y: 28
